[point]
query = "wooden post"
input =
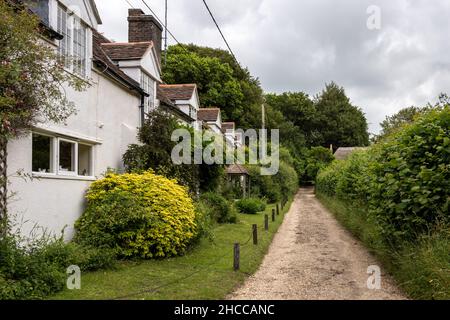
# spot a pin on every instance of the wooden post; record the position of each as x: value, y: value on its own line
x: 237, y: 253
x: 255, y: 234
x: 278, y: 209
x: 266, y: 222
x: 273, y: 215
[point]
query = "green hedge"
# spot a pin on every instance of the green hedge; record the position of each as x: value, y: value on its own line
x: 404, y: 180
x: 251, y: 205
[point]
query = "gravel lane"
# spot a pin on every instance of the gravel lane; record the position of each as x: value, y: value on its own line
x: 313, y: 257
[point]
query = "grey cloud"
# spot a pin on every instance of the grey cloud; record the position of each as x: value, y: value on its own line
x: 300, y: 45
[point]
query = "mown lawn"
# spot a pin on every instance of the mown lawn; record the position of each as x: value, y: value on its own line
x: 205, y: 272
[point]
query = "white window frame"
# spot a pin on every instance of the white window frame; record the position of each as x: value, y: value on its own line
x: 71, y: 21
x: 75, y: 158
x: 148, y: 84
x: 55, y: 157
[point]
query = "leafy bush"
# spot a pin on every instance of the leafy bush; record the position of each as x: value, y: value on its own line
x: 404, y: 180
x: 204, y: 222
x: 412, y: 170
x: 155, y: 153
x: 327, y: 179
x: 314, y: 160
x: 219, y: 208
x: 36, y: 269
x: 251, y: 205
x: 139, y: 215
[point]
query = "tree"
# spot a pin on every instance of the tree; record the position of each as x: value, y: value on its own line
x: 155, y: 152
x: 215, y: 81
x: 340, y: 123
x: 32, y: 84
x: 221, y: 81
x: 404, y: 116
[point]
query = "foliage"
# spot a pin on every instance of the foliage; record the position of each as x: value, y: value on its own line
x: 341, y: 123
x: 215, y: 80
x: 313, y: 160
x: 404, y: 181
x: 396, y: 121
x: 155, y: 153
x: 219, y: 208
x: 38, y: 268
x: 32, y: 81
x: 251, y: 205
x: 412, y: 169
x: 139, y: 215
x: 204, y: 222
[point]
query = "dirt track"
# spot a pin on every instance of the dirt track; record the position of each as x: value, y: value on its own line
x: 314, y: 257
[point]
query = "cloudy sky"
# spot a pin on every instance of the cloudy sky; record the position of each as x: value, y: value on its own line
x: 299, y: 45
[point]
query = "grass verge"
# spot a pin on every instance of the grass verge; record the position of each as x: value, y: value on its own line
x: 206, y: 272
x: 421, y: 269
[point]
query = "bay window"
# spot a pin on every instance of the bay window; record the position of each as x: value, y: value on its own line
x: 53, y: 155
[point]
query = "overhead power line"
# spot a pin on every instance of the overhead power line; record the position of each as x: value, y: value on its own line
x: 220, y: 31
x: 129, y: 4
x: 163, y: 24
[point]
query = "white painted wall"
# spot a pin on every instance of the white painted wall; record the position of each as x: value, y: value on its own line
x: 107, y: 113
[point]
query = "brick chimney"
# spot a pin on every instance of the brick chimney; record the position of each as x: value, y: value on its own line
x: 142, y: 27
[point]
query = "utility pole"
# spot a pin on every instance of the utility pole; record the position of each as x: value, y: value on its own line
x: 165, y: 36
x: 263, y: 114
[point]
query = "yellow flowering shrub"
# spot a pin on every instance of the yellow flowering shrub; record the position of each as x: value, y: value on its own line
x: 140, y: 215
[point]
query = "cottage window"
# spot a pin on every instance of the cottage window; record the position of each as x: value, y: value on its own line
x: 67, y: 157
x: 84, y: 160
x: 148, y: 85
x: 73, y: 47
x: 42, y: 154
x: 61, y: 156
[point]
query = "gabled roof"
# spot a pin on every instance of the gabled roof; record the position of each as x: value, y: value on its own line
x: 178, y: 91
x: 126, y: 51
x: 160, y: 95
x: 228, y: 126
x: 236, y: 169
x: 101, y: 58
x: 208, y: 114
x: 96, y: 14
x: 344, y: 152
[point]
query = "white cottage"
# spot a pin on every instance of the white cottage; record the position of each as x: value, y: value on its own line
x: 63, y: 160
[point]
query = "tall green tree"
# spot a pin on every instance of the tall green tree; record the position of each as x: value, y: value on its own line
x: 32, y: 83
x: 216, y: 84
x: 340, y: 123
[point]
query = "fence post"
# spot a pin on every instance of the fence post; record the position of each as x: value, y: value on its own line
x: 278, y: 209
x: 255, y: 234
x: 273, y: 215
x: 237, y: 253
x: 266, y: 222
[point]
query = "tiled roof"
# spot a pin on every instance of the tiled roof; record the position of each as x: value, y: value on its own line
x: 100, y: 57
x: 228, y: 126
x: 344, y: 153
x: 126, y: 51
x: 178, y: 91
x: 161, y: 96
x: 208, y: 114
x: 236, y: 169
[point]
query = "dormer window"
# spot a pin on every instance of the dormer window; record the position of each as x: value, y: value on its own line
x: 148, y: 84
x: 73, y: 48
